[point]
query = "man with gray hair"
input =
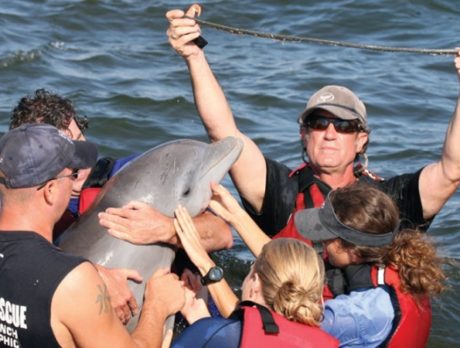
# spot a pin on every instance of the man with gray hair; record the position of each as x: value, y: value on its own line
x: 49, y: 298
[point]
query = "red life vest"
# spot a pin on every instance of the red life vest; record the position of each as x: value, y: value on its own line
x: 264, y: 328
x: 87, y: 197
x: 412, y: 322
x: 316, y: 192
x: 316, y: 199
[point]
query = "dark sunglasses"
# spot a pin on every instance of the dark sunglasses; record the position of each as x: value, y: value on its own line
x: 73, y: 176
x: 341, y: 126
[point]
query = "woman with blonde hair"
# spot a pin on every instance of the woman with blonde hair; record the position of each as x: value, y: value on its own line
x: 282, y: 297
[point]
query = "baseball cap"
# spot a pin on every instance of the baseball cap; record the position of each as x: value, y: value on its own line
x: 34, y: 153
x: 338, y: 100
x: 320, y: 224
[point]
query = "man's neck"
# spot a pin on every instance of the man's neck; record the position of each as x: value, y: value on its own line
x: 18, y: 221
x: 338, y: 179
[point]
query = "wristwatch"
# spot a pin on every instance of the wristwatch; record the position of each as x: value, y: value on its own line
x: 214, y: 275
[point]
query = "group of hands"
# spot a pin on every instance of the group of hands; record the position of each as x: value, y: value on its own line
x: 170, y: 292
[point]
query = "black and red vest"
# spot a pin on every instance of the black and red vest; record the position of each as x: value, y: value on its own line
x: 412, y: 322
x: 265, y: 328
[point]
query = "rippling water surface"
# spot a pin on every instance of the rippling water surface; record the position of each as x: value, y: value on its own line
x: 113, y: 60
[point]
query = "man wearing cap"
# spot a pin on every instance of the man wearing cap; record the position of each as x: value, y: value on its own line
x: 334, y: 134
x: 49, y: 298
x: 46, y: 107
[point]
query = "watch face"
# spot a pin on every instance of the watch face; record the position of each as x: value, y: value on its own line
x: 216, y: 274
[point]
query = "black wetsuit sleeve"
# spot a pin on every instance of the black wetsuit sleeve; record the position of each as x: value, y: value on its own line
x: 279, y: 200
x: 404, y: 189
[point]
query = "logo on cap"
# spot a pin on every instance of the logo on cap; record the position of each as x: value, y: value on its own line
x: 326, y: 97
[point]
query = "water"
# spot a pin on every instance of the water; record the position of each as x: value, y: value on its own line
x: 113, y: 60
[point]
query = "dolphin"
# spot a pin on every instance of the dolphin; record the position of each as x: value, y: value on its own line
x: 176, y: 172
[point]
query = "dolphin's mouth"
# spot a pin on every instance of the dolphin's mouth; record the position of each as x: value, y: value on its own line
x: 224, y: 153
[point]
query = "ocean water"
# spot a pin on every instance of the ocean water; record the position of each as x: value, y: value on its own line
x: 113, y: 60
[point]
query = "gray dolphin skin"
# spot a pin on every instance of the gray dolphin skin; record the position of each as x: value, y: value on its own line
x: 177, y: 172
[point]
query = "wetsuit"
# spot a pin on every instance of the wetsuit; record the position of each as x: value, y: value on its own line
x: 30, y: 271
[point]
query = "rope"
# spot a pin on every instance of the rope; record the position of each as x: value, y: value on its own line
x: 293, y: 38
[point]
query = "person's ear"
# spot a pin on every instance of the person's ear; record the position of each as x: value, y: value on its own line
x: 50, y: 192
x: 361, y: 141
x: 256, y: 285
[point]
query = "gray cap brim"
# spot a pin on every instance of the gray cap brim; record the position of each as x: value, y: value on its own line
x: 309, y: 225
x: 321, y: 224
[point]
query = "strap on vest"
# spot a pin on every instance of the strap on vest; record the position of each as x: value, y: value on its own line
x: 381, y: 276
x: 269, y: 325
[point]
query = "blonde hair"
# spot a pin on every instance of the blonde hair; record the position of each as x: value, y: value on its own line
x: 292, y: 278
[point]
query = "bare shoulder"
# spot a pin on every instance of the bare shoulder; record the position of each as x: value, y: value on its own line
x: 84, y: 287
x: 81, y: 306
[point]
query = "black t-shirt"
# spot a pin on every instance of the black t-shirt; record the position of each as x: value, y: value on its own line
x: 281, y: 191
x: 30, y: 271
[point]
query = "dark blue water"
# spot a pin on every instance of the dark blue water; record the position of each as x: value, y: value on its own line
x: 113, y: 60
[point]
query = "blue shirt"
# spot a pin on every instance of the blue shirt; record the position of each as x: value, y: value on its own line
x: 361, y: 319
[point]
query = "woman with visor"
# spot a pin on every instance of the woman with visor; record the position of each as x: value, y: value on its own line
x: 358, y: 225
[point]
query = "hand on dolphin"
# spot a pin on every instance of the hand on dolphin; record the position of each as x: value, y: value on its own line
x: 226, y: 206
x: 138, y: 223
x: 121, y: 297
x: 190, y: 239
x: 164, y: 293
x: 196, y: 297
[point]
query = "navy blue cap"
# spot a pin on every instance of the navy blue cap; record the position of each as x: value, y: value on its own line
x: 34, y: 153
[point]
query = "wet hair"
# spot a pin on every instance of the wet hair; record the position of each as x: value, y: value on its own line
x: 370, y: 210
x: 46, y: 107
x: 292, y: 278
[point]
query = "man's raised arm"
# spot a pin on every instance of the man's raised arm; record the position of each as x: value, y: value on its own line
x: 249, y: 172
x: 439, y: 181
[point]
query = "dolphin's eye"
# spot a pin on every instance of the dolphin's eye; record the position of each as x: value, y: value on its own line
x: 186, y: 192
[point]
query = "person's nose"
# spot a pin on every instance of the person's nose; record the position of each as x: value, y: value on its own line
x: 330, y: 132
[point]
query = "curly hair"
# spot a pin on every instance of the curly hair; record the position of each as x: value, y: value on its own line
x: 46, y: 107
x: 292, y: 278
x: 368, y: 209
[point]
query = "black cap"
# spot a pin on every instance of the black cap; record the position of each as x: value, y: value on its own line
x: 34, y: 153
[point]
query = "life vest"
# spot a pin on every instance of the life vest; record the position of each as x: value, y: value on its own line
x: 312, y: 193
x: 317, y: 192
x: 412, y: 322
x: 265, y: 328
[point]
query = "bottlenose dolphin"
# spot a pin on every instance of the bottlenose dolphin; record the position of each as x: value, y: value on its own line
x: 177, y: 172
